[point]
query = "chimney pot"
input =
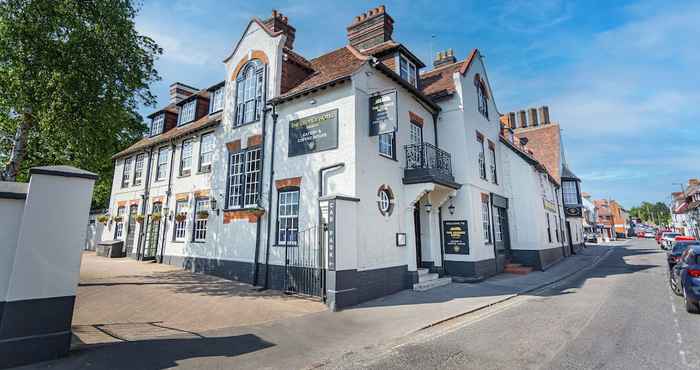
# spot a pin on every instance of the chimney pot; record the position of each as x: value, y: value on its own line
x: 370, y: 29
x: 533, y: 116
x: 544, y: 115
x: 444, y: 57
x: 523, y: 118
x: 278, y: 22
x: 511, y: 120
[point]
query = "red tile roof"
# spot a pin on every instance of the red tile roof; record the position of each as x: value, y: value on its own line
x: 333, y: 66
x: 439, y: 83
x: 175, y: 133
x: 545, y: 144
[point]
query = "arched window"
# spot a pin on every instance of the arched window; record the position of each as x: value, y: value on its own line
x: 249, y: 93
x: 482, y: 96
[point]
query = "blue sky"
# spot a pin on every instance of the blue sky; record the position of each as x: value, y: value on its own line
x: 619, y: 76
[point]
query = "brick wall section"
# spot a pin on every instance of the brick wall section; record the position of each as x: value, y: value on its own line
x: 254, y: 140
x: 202, y: 108
x: 292, y: 75
x: 283, y: 183
x: 389, y: 60
x: 544, y: 143
x: 234, y: 146
x: 170, y: 121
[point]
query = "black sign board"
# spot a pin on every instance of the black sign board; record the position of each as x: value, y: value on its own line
x: 314, y: 133
x: 456, y: 238
x: 383, y: 112
x: 331, y: 234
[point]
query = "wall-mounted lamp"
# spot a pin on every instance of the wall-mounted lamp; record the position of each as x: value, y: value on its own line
x: 428, y: 206
x: 213, y: 205
x: 451, y: 208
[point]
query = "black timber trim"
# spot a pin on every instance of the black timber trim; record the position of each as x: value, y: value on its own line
x: 63, y: 171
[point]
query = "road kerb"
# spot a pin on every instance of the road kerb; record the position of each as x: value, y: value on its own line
x: 511, y: 296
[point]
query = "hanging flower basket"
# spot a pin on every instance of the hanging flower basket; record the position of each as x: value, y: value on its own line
x: 139, y: 218
x: 118, y: 218
x: 203, y: 214
x: 180, y: 217
x: 155, y: 217
x: 103, y: 219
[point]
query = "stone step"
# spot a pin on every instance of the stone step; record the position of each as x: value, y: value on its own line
x: 510, y: 264
x: 427, y: 277
x: 522, y: 270
x: 423, y: 286
x: 423, y: 271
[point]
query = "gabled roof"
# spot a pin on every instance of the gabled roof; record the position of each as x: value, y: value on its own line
x: 438, y: 83
x: 328, y: 68
x: 392, y: 46
x: 259, y: 23
x: 172, y: 134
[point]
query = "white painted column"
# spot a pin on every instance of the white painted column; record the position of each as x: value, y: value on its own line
x: 38, y: 308
x: 410, y: 239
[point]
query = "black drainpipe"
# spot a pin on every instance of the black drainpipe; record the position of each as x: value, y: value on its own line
x: 144, y: 197
x: 269, y: 197
x: 435, y: 119
x: 262, y: 161
x: 167, y: 201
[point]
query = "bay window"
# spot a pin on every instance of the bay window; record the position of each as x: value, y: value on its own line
x: 570, y: 192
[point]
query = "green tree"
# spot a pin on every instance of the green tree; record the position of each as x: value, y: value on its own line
x: 657, y: 213
x: 72, y: 75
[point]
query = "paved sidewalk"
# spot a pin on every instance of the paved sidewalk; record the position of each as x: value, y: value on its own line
x: 314, y: 339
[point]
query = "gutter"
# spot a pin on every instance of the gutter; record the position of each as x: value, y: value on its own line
x: 269, y: 196
x: 167, y: 201
x: 256, y: 256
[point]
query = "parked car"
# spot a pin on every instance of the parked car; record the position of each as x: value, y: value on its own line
x: 591, y: 238
x: 640, y: 233
x: 677, y: 249
x: 685, y: 278
x: 666, y: 239
x: 659, y: 236
x: 649, y: 234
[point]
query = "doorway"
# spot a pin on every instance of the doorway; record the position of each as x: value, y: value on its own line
x: 568, y: 234
x: 416, y: 227
x: 131, y: 230
x: 501, y: 236
x: 149, y: 252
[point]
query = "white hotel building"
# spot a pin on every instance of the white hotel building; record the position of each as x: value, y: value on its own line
x: 349, y: 176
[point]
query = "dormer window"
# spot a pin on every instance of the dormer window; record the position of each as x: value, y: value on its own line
x: 249, y: 91
x: 157, y: 124
x: 187, y: 112
x: 407, y: 70
x: 217, y: 100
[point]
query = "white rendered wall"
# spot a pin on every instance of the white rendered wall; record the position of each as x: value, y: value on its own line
x: 11, y: 215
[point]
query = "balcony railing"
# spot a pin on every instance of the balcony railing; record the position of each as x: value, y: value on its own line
x: 427, y: 163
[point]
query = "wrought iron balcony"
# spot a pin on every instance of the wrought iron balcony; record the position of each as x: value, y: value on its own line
x: 427, y: 163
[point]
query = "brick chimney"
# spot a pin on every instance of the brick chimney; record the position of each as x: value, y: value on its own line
x: 544, y: 115
x: 179, y: 91
x: 533, y: 116
x: 444, y: 57
x: 278, y: 22
x: 523, y: 118
x: 371, y: 28
x: 693, y: 182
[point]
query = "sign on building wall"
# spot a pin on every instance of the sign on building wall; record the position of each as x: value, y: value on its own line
x: 331, y: 234
x: 383, y: 113
x: 550, y: 206
x: 456, y: 240
x: 314, y: 133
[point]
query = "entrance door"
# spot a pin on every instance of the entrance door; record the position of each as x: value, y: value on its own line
x: 131, y: 230
x: 414, y: 152
x: 416, y: 227
x: 501, y: 237
x: 568, y: 234
x: 151, y: 249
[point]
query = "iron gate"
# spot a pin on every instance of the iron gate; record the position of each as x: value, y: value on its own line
x: 304, y: 268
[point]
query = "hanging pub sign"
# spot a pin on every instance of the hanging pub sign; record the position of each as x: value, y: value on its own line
x: 314, y: 133
x: 383, y: 113
x: 456, y: 240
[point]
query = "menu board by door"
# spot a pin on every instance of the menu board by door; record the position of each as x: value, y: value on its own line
x: 456, y: 240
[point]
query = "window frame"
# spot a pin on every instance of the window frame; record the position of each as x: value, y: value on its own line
x: 157, y: 122
x: 411, y: 71
x: 180, y: 227
x: 126, y: 172
x: 119, y: 226
x: 217, y: 96
x: 391, y: 144
x: 201, y: 163
x: 292, y: 217
x: 201, y: 225
x: 182, y: 167
x: 481, y: 157
x: 238, y: 161
x: 494, y: 168
x: 567, y: 192
x: 486, y: 220
x: 188, y: 112
x: 138, y: 169
x: 166, y: 151
x: 549, y: 229
x: 252, y: 72
x: 482, y: 96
